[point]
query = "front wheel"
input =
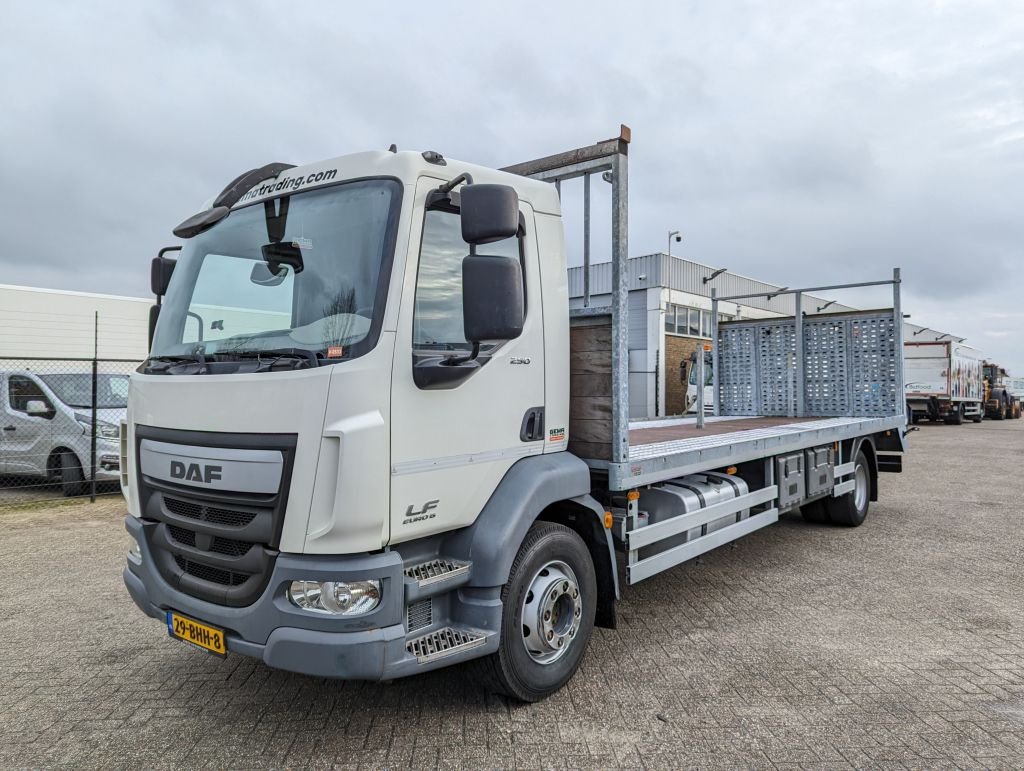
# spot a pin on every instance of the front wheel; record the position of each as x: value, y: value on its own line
x: 549, y: 603
x: 852, y: 509
x: 72, y: 480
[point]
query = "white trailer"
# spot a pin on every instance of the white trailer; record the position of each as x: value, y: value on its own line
x: 431, y: 462
x: 944, y: 381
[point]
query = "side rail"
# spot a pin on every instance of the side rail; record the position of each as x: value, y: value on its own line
x: 654, y: 548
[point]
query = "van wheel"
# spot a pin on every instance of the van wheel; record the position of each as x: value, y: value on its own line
x: 549, y: 603
x: 72, y: 480
x: 851, y: 509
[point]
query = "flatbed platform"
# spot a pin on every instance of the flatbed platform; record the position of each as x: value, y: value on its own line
x: 656, y: 431
x: 663, y: 449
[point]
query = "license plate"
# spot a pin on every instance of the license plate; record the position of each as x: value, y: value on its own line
x: 204, y: 636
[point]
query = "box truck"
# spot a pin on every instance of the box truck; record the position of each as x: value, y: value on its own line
x: 944, y: 381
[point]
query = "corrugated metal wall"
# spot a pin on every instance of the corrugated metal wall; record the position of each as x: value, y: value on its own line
x: 652, y: 270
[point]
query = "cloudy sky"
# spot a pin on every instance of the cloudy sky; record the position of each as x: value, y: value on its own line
x: 795, y: 142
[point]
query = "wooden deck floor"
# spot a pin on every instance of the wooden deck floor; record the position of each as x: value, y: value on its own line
x: 686, y: 428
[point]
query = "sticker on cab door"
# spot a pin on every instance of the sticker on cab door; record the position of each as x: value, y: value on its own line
x: 556, y: 435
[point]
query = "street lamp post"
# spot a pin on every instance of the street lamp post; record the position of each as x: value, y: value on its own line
x: 679, y: 237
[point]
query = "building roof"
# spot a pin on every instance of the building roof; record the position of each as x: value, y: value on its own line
x: 663, y: 270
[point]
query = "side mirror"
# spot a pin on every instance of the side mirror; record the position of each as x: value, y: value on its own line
x: 160, y: 271
x: 492, y: 298
x: 154, y: 314
x: 37, y: 407
x: 489, y: 213
x: 682, y: 372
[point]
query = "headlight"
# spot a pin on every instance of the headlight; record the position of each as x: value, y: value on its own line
x: 134, y: 553
x: 338, y: 598
x: 103, y: 428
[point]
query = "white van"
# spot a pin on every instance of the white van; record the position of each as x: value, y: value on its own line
x: 46, y: 426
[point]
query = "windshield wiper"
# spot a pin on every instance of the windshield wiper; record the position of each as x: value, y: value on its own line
x: 166, y: 361
x: 270, y: 358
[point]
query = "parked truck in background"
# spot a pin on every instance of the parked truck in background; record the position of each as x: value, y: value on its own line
x: 1001, y: 402
x: 401, y: 450
x: 944, y: 381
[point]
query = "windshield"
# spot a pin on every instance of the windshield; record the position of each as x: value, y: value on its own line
x: 304, y: 272
x: 75, y: 390
x: 708, y: 373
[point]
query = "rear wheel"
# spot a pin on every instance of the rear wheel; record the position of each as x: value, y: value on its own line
x: 548, y: 612
x: 72, y: 480
x: 851, y: 509
x: 815, y: 512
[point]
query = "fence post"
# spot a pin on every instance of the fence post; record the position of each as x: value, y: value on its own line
x: 95, y: 417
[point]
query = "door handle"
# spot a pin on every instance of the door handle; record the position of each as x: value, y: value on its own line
x: 10, y: 428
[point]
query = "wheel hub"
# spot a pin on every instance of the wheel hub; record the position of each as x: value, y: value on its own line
x: 552, y: 612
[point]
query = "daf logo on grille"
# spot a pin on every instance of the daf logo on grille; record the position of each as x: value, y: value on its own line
x: 195, y: 472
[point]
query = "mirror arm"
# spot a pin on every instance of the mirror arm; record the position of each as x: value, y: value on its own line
x: 452, y: 361
x: 447, y: 187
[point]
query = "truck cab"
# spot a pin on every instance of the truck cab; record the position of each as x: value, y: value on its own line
x: 313, y: 408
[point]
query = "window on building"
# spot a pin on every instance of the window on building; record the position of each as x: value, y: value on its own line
x: 705, y: 323
x: 670, y: 318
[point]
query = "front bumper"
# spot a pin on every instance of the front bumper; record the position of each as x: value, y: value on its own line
x: 369, y: 647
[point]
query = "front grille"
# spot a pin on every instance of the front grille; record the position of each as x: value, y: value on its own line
x: 217, y: 545
x: 419, y: 615
x: 210, y: 573
x: 212, y: 514
x: 228, y: 546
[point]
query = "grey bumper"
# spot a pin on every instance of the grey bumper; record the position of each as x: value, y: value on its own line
x: 370, y: 647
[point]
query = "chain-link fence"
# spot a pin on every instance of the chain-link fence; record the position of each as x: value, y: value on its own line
x: 60, y: 427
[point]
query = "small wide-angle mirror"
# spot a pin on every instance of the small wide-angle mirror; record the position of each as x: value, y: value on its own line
x: 489, y: 213
x: 160, y: 271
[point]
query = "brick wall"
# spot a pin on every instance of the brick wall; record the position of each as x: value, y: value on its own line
x: 677, y: 349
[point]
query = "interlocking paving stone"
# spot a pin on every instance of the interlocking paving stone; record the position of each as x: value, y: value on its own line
x: 899, y: 644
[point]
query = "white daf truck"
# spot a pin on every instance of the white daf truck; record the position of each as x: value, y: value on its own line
x: 370, y: 439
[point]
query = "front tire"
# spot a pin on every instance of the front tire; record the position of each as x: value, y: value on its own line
x: 549, y: 602
x: 72, y: 480
x: 852, y: 509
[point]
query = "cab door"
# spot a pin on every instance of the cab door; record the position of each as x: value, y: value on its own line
x: 452, y: 441
x: 27, y: 438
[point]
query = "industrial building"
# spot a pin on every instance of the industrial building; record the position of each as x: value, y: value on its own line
x: 670, y: 316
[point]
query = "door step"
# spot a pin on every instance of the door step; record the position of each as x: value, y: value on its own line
x: 443, y: 643
x: 434, y: 571
x: 434, y: 577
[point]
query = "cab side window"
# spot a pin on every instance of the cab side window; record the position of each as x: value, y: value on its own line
x: 437, y: 314
x: 22, y: 390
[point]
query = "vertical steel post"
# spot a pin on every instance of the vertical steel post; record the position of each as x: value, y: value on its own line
x: 92, y: 439
x: 897, y: 312
x: 620, y: 310
x: 700, y: 386
x: 715, y: 394
x: 799, y: 359
x: 586, y: 240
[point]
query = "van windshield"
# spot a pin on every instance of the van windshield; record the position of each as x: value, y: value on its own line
x: 75, y: 389
x: 304, y: 272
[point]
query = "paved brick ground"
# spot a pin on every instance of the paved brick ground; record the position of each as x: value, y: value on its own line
x: 896, y: 645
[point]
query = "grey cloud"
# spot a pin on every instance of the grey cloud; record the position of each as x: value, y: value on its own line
x: 794, y: 142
